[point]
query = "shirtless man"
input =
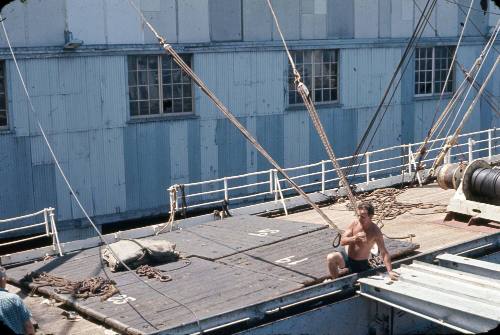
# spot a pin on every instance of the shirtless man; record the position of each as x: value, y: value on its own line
x: 360, y: 236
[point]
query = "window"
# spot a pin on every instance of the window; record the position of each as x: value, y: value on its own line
x: 3, y: 97
x: 319, y: 71
x: 431, y: 67
x: 157, y: 86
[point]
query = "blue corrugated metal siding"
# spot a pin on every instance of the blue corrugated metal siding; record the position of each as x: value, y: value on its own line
x: 232, y: 148
x: 44, y: 186
x: 15, y: 173
x: 119, y: 167
x: 365, y: 74
x: 147, y: 165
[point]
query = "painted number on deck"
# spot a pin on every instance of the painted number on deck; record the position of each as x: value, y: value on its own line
x: 288, y: 261
x: 264, y: 232
x: 120, y: 299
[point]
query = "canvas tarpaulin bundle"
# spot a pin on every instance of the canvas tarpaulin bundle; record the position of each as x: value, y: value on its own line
x: 138, y: 252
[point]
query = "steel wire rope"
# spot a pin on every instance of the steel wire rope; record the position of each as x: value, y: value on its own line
x: 317, y: 122
x: 474, y: 9
x: 302, y: 89
x: 408, y: 50
x: 72, y: 192
x: 421, y: 149
x: 453, y: 138
x: 445, y: 116
x: 179, y: 61
x: 483, y: 56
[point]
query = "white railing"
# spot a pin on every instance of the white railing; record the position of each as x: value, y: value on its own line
x: 48, y: 222
x: 320, y: 176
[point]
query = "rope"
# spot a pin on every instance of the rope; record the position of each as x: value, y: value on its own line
x: 152, y: 272
x: 387, y: 207
x: 306, y: 97
x: 91, y: 287
x: 179, y: 61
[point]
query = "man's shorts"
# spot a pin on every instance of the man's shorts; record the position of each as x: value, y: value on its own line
x: 354, y: 265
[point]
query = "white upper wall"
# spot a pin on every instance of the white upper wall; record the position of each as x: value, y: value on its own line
x: 43, y: 22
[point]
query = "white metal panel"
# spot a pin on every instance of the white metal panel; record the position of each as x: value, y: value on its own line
x: 296, y: 142
x: 81, y: 13
x: 193, y: 21
x: 366, y: 19
x: 401, y: 18
x: 179, y: 163
x: 447, y: 19
x: 123, y: 24
x: 456, y: 299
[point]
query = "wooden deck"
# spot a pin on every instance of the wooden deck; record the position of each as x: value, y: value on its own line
x: 229, y: 265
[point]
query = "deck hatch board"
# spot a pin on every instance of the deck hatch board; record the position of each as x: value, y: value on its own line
x: 302, y: 258
x: 222, y: 238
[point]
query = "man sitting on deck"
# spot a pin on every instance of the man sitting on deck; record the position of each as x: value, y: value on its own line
x: 360, y: 236
x: 14, y: 315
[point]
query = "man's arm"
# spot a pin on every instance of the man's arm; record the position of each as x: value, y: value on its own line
x: 385, y: 256
x: 28, y: 328
x: 347, y: 237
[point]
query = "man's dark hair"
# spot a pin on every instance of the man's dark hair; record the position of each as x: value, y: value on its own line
x: 368, y: 206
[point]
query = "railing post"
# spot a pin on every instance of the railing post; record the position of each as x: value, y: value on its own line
x: 271, y: 186
x: 470, y: 142
x: 276, y: 182
x: 367, y: 157
x: 226, y: 192
x: 410, y: 158
x: 55, y: 236
x: 490, y: 136
x: 322, y: 176
x: 46, y: 218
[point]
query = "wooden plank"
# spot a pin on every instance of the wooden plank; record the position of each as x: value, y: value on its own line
x: 227, y: 288
x: 301, y: 259
x: 222, y: 238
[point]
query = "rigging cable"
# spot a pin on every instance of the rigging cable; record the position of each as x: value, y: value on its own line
x: 306, y: 97
x: 482, y: 57
x: 74, y: 194
x: 422, y: 148
x: 445, y: 116
x: 175, y: 56
x: 408, y: 51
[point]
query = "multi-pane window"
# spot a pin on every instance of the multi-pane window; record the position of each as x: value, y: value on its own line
x: 3, y: 97
x: 431, y: 68
x: 319, y: 71
x: 158, y: 86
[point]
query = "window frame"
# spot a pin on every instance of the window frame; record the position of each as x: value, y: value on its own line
x: 161, y: 114
x: 311, y: 88
x: 7, y: 119
x: 433, y: 72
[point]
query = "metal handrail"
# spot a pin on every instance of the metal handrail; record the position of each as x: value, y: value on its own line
x: 49, y: 223
x: 374, y: 164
